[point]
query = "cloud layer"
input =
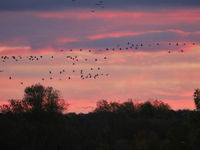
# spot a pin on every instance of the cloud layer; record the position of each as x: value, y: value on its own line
x: 110, y: 4
x: 152, y: 48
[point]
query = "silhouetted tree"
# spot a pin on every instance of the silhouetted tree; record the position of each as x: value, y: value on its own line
x: 36, y: 122
x: 37, y: 99
x: 103, y: 106
x: 147, y: 108
x: 127, y: 107
x: 151, y: 108
x: 197, y: 98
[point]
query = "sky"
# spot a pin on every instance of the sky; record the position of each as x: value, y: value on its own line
x: 124, y: 49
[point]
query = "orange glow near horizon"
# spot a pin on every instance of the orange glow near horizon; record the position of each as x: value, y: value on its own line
x: 129, y: 75
x: 123, y: 53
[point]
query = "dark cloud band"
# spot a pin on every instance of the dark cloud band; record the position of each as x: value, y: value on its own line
x: 20, y: 5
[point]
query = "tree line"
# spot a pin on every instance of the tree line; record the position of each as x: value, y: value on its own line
x: 37, y: 122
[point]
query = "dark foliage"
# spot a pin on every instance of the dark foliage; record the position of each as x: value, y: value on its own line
x: 37, y: 99
x: 197, y: 98
x: 30, y: 125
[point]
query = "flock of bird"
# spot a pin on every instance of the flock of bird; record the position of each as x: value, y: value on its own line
x: 91, y: 72
x: 131, y: 46
x: 67, y: 74
x: 74, y: 60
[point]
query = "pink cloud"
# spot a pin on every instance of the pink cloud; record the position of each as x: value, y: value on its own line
x: 181, y: 32
x: 66, y: 40
x: 24, y: 50
x: 120, y: 34
x: 130, y: 33
x: 137, y: 74
x: 198, y: 32
x: 14, y: 41
x: 13, y: 50
x: 139, y: 17
x: 87, y: 15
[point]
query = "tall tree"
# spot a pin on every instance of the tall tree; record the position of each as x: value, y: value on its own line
x: 197, y: 98
x: 37, y: 99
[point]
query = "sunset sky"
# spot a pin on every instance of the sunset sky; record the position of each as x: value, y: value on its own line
x: 159, y: 56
